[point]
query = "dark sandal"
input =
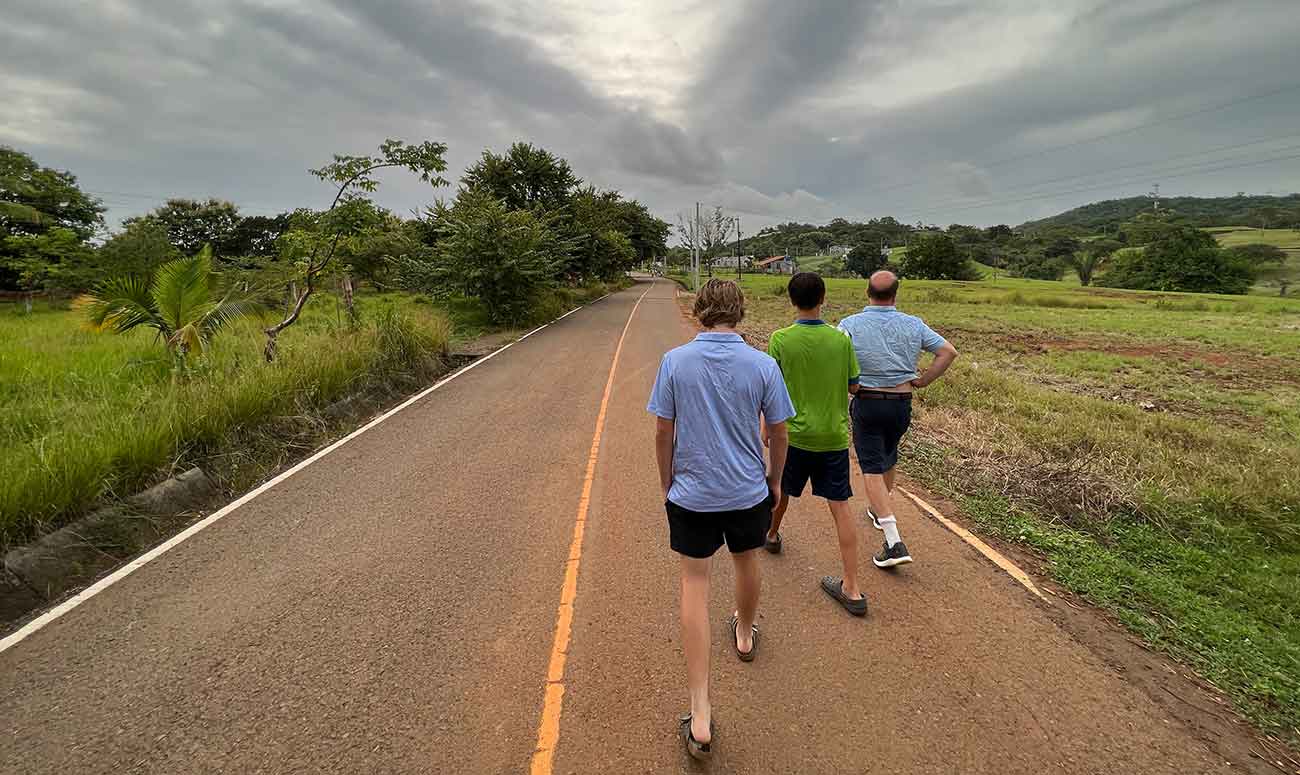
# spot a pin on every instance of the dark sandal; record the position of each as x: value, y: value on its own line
x: 834, y: 586
x: 734, y: 625
x: 697, y: 750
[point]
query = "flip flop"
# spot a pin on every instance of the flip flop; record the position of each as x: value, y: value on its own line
x: 697, y: 750
x: 834, y: 586
x: 734, y: 625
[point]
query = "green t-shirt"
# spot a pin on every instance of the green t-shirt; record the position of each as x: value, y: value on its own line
x: 818, y: 364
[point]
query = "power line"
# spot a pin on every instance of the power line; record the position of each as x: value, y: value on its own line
x: 1044, y: 195
x: 1105, y: 136
x: 1157, y: 164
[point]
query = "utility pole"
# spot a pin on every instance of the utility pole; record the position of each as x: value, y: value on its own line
x: 697, y: 247
x: 738, y: 277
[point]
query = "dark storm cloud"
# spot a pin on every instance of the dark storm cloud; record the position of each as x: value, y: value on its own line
x: 947, y: 111
x: 778, y: 52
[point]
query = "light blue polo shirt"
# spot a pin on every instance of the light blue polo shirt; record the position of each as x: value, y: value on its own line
x: 887, y: 343
x: 714, y: 388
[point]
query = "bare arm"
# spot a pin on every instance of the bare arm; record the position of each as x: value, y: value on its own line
x: 664, y: 435
x: 942, y: 360
x: 778, y: 442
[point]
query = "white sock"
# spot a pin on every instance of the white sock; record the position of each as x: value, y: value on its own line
x: 890, y: 526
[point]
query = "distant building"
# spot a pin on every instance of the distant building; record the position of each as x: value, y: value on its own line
x: 776, y: 265
x: 729, y: 262
x: 838, y: 250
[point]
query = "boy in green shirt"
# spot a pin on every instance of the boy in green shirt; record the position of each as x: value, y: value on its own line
x: 820, y: 371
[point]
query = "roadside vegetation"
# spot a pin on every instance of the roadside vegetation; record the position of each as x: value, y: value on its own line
x: 1145, y: 445
x: 128, y: 356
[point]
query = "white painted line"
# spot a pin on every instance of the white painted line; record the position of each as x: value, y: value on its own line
x: 998, y: 559
x: 54, y: 613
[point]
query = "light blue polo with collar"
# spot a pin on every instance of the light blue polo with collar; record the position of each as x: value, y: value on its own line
x: 888, y: 343
x: 714, y: 388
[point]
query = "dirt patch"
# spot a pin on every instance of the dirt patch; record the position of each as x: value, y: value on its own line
x: 1236, y: 369
x: 1205, y: 711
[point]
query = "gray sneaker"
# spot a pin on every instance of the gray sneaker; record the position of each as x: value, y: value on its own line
x: 889, y: 556
x: 875, y: 521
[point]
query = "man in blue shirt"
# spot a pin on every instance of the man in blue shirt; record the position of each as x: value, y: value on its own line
x: 888, y: 344
x: 709, y: 397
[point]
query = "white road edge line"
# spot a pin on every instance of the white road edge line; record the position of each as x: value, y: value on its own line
x: 997, y: 557
x: 39, y: 623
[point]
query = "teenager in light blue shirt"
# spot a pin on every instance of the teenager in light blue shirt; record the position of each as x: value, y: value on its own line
x: 888, y: 344
x: 709, y: 397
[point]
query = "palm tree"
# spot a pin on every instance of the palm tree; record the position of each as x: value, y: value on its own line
x: 180, y: 303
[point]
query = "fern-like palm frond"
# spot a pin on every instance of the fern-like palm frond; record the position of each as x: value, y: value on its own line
x: 182, y: 289
x: 121, y: 304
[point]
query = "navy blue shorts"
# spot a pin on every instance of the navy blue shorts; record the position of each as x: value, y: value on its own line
x: 878, y: 426
x: 829, y: 472
x: 699, y: 534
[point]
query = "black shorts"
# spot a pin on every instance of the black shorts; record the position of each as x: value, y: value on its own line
x: 699, y: 534
x: 878, y: 426
x: 829, y: 472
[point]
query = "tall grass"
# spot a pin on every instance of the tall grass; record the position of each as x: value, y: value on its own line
x: 89, y: 415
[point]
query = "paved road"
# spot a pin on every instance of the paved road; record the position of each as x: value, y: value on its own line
x: 392, y: 607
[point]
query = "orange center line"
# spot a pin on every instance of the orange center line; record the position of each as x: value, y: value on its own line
x: 548, y: 730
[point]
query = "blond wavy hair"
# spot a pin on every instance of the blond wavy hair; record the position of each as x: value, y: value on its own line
x: 719, y: 303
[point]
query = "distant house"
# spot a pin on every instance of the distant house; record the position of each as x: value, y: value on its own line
x: 729, y: 262
x: 838, y: 250
x: 776, y: 265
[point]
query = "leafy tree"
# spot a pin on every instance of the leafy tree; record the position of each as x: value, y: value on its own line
x: 34, y: 199
x: 597, y: 245
x: 140, y: 248
x: 524, y: 177
x: 865, y: 259
x: 191, y: 224
x: 1147, y: 228
x: 353, y: 175
x: 506, y: 258
x: 181, y: 303
x: 1000, y: 234
x: 255, y: 235
x: 1034, y: 264
x: 934, y: 256
x: 42, y: 211
x: 1182, y: 258
x: 57, y: 259
x: 648, y: 234
x: 818, y: 239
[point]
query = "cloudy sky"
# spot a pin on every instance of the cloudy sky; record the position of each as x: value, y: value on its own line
x: 968, y: 111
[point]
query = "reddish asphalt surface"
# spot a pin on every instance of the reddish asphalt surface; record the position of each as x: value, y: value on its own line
x: 391, y: 608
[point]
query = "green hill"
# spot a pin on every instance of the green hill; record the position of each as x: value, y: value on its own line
x: 1205, y: 212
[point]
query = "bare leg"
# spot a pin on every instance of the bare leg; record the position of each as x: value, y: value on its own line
x: 747, y: 588
x: 846, y: 527
x: 778, y: 514
x: 695, y: 642
x: 889, y: 479
x: 878, y: 493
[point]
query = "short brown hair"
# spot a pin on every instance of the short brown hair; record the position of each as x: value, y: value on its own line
x: 719, y: 303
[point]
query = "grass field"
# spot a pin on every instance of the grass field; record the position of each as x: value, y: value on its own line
x: 90, y: 416
x: 1146, y: 445
x: 1269, y: 276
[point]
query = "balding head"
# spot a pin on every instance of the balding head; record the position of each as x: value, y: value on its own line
x: 882, y: 287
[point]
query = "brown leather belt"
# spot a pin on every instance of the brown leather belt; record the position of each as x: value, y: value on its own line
x: 881, y: 395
